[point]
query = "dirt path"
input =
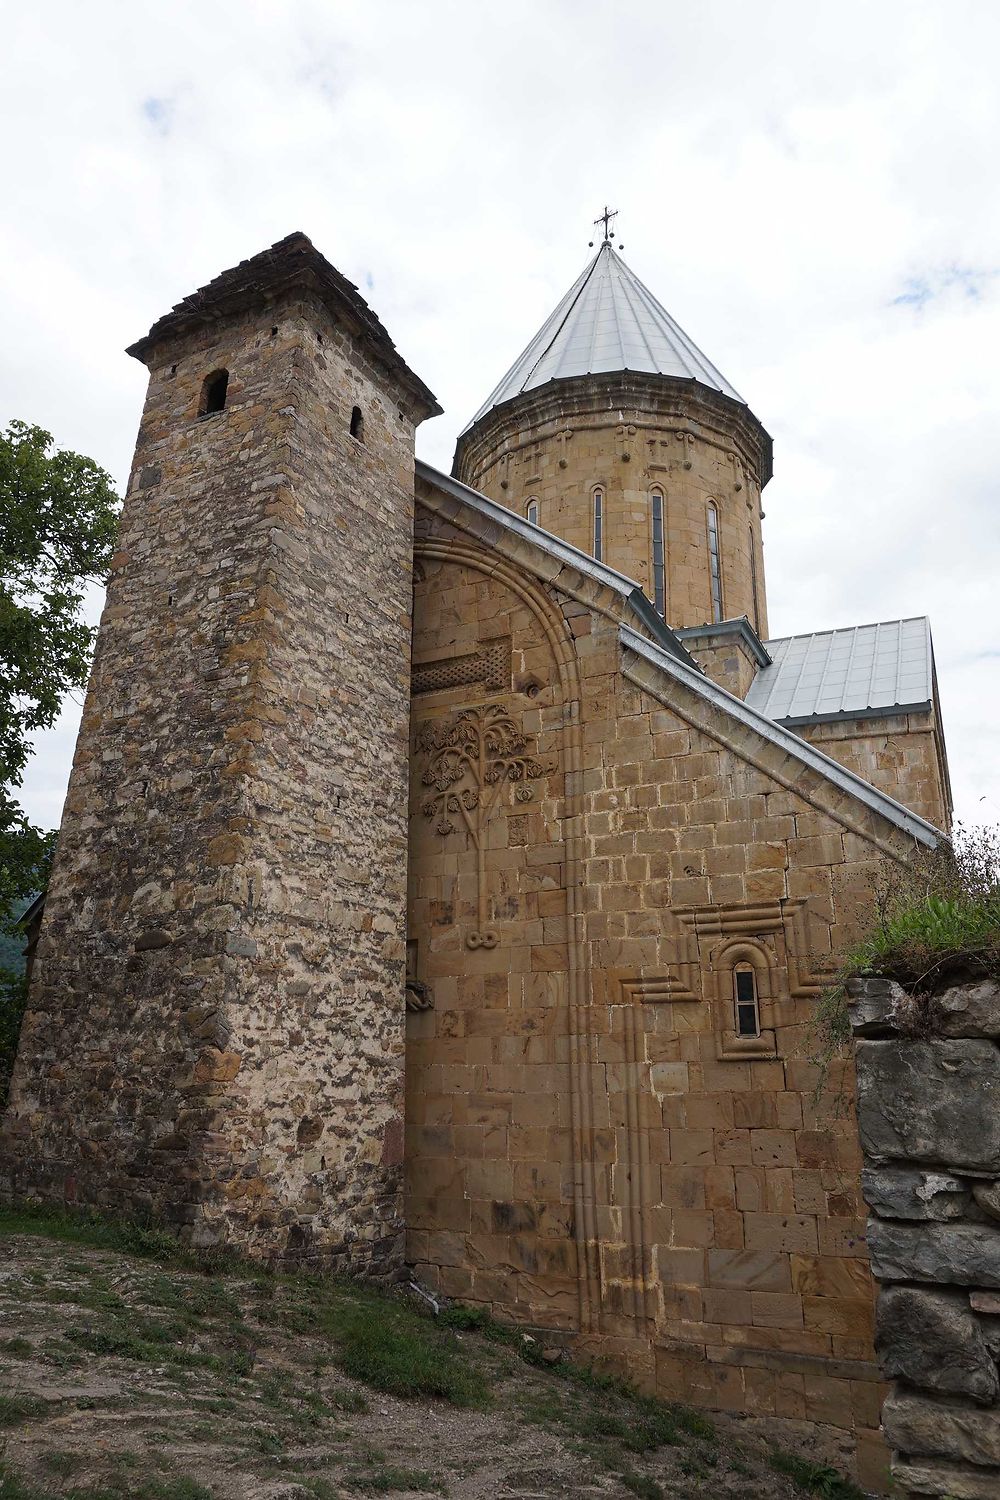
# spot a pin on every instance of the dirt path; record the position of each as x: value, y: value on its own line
x: 121, y: 1377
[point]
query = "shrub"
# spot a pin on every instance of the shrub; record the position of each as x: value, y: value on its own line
x: 936, y: 920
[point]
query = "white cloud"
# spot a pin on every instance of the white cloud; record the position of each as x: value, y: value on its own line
x: 811, y: 190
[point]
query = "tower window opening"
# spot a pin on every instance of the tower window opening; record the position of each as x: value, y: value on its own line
x: 745, y: 1002
x: 659, y: 573
x: 531, y: 512
x: 599, y: 524
x: 714, y: 561
x: 214, y: 391
x: 753, y: 581
x: 357, y: 424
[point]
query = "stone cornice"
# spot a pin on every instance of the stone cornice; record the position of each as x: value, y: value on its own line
x: 629, y: 396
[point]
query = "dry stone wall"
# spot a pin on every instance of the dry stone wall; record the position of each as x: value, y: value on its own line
x: 929, y: 1118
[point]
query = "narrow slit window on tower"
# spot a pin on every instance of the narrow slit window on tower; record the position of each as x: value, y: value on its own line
x: 214, y: 391
x: 714, y: 561
x: 659, y: 573
x: 357, y: 424
x: 531, y: 512
x: 599, y: 524
x: 753, y: 582
x: 745, y: 1001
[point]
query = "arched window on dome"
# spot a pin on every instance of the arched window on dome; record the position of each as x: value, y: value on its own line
x: 746, y: 1004
x: 598, y: 511
x: 659, y: 570
x: 753, y: 581
x: 714, y: 560
x: 531, y: 511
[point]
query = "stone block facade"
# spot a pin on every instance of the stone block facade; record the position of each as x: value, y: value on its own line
x: 903, y: 754
x: 590, y: 1145
x: 634, y: 438
x: 215, y: 1029
x: 929, y: 1117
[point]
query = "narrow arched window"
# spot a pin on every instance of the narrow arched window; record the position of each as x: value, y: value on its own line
x: 746, y: 1004
x: 213, y: 393
x: 599, y: 524
x: 659, y: 573
x: 753, y: 582
x: 531, y: 512
x: 714, y: 560
x: 357, y: 424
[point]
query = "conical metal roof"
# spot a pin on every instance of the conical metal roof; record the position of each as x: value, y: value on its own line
x: 607, y: 321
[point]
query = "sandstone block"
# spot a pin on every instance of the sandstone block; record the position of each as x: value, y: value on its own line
x: 937, y: 1103
x: 959, y: 1254
x: 931, y: 1340
x: 917, y: 1425
x: 895, y: 1193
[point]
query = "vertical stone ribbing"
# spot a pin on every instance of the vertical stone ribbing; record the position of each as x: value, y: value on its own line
x: 215, y: 1027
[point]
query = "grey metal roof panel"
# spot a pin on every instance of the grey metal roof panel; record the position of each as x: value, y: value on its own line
x: 607, y: 321
x: 849, y: 673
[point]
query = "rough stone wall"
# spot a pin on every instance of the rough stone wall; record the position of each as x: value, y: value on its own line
x: 631, y: 437
x: 589, y: 1146
x: 902, y: 754
x: 215, y: 1030
x: 929, y: 1117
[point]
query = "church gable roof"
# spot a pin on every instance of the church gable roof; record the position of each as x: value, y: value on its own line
x: 607, y: 322
x: 859, y: 672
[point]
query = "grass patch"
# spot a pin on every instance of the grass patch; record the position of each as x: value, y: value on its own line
x: 15, y: 1409
x: 16, y: 1346
x: 815, y: 1479
x: 386, y: 1479
x: 15, y: 1486
x: 639, y: 1484
x: 406, y: 1356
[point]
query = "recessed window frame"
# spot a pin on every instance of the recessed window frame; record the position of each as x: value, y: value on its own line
x: 714, y: 560
x: 657, y: 548
x: 357, y: 428
x: 531, y: 511
x: 597, y: 521
x: 214, y: 393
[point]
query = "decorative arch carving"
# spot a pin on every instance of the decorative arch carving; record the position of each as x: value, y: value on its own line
x: 583, y: 1059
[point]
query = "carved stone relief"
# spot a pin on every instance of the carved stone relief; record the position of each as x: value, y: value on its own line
x: 469, y: 761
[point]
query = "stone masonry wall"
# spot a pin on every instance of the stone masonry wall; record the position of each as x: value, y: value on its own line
x: 215, y: 1029
x: 631, y: 437
x: 590, y: 1149
x: 902, y: 754
x: 929, y: 1116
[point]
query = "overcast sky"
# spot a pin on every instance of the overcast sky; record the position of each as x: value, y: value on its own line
x: 810, y: 189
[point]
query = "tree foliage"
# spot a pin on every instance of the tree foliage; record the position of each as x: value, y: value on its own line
x: 57, y: 528
x: 58, y: 514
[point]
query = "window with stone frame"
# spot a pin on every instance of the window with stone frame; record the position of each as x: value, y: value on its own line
x: 598, y: 511
x: 657, y: 550
x: 714, y: 560
x: 531, y: 511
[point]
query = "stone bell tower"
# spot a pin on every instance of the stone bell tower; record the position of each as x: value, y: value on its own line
x: 613, y: 431
x: 215, y: 1027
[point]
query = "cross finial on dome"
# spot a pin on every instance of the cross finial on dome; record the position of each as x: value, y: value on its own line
x: 606, y: 218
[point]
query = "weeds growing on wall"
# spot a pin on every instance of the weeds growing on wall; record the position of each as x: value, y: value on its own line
x: 936, y: 921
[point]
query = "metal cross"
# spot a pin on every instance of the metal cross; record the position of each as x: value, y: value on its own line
x: 605, y: 218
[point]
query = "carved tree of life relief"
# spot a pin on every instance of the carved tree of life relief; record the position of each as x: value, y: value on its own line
x: 473, y: 763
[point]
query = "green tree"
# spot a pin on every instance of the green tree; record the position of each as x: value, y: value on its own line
x: 58, y: 514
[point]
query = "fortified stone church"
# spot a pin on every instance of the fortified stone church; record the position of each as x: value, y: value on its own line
x: 451, y: 863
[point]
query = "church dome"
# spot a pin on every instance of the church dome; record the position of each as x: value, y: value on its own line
x: 607, y: 322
